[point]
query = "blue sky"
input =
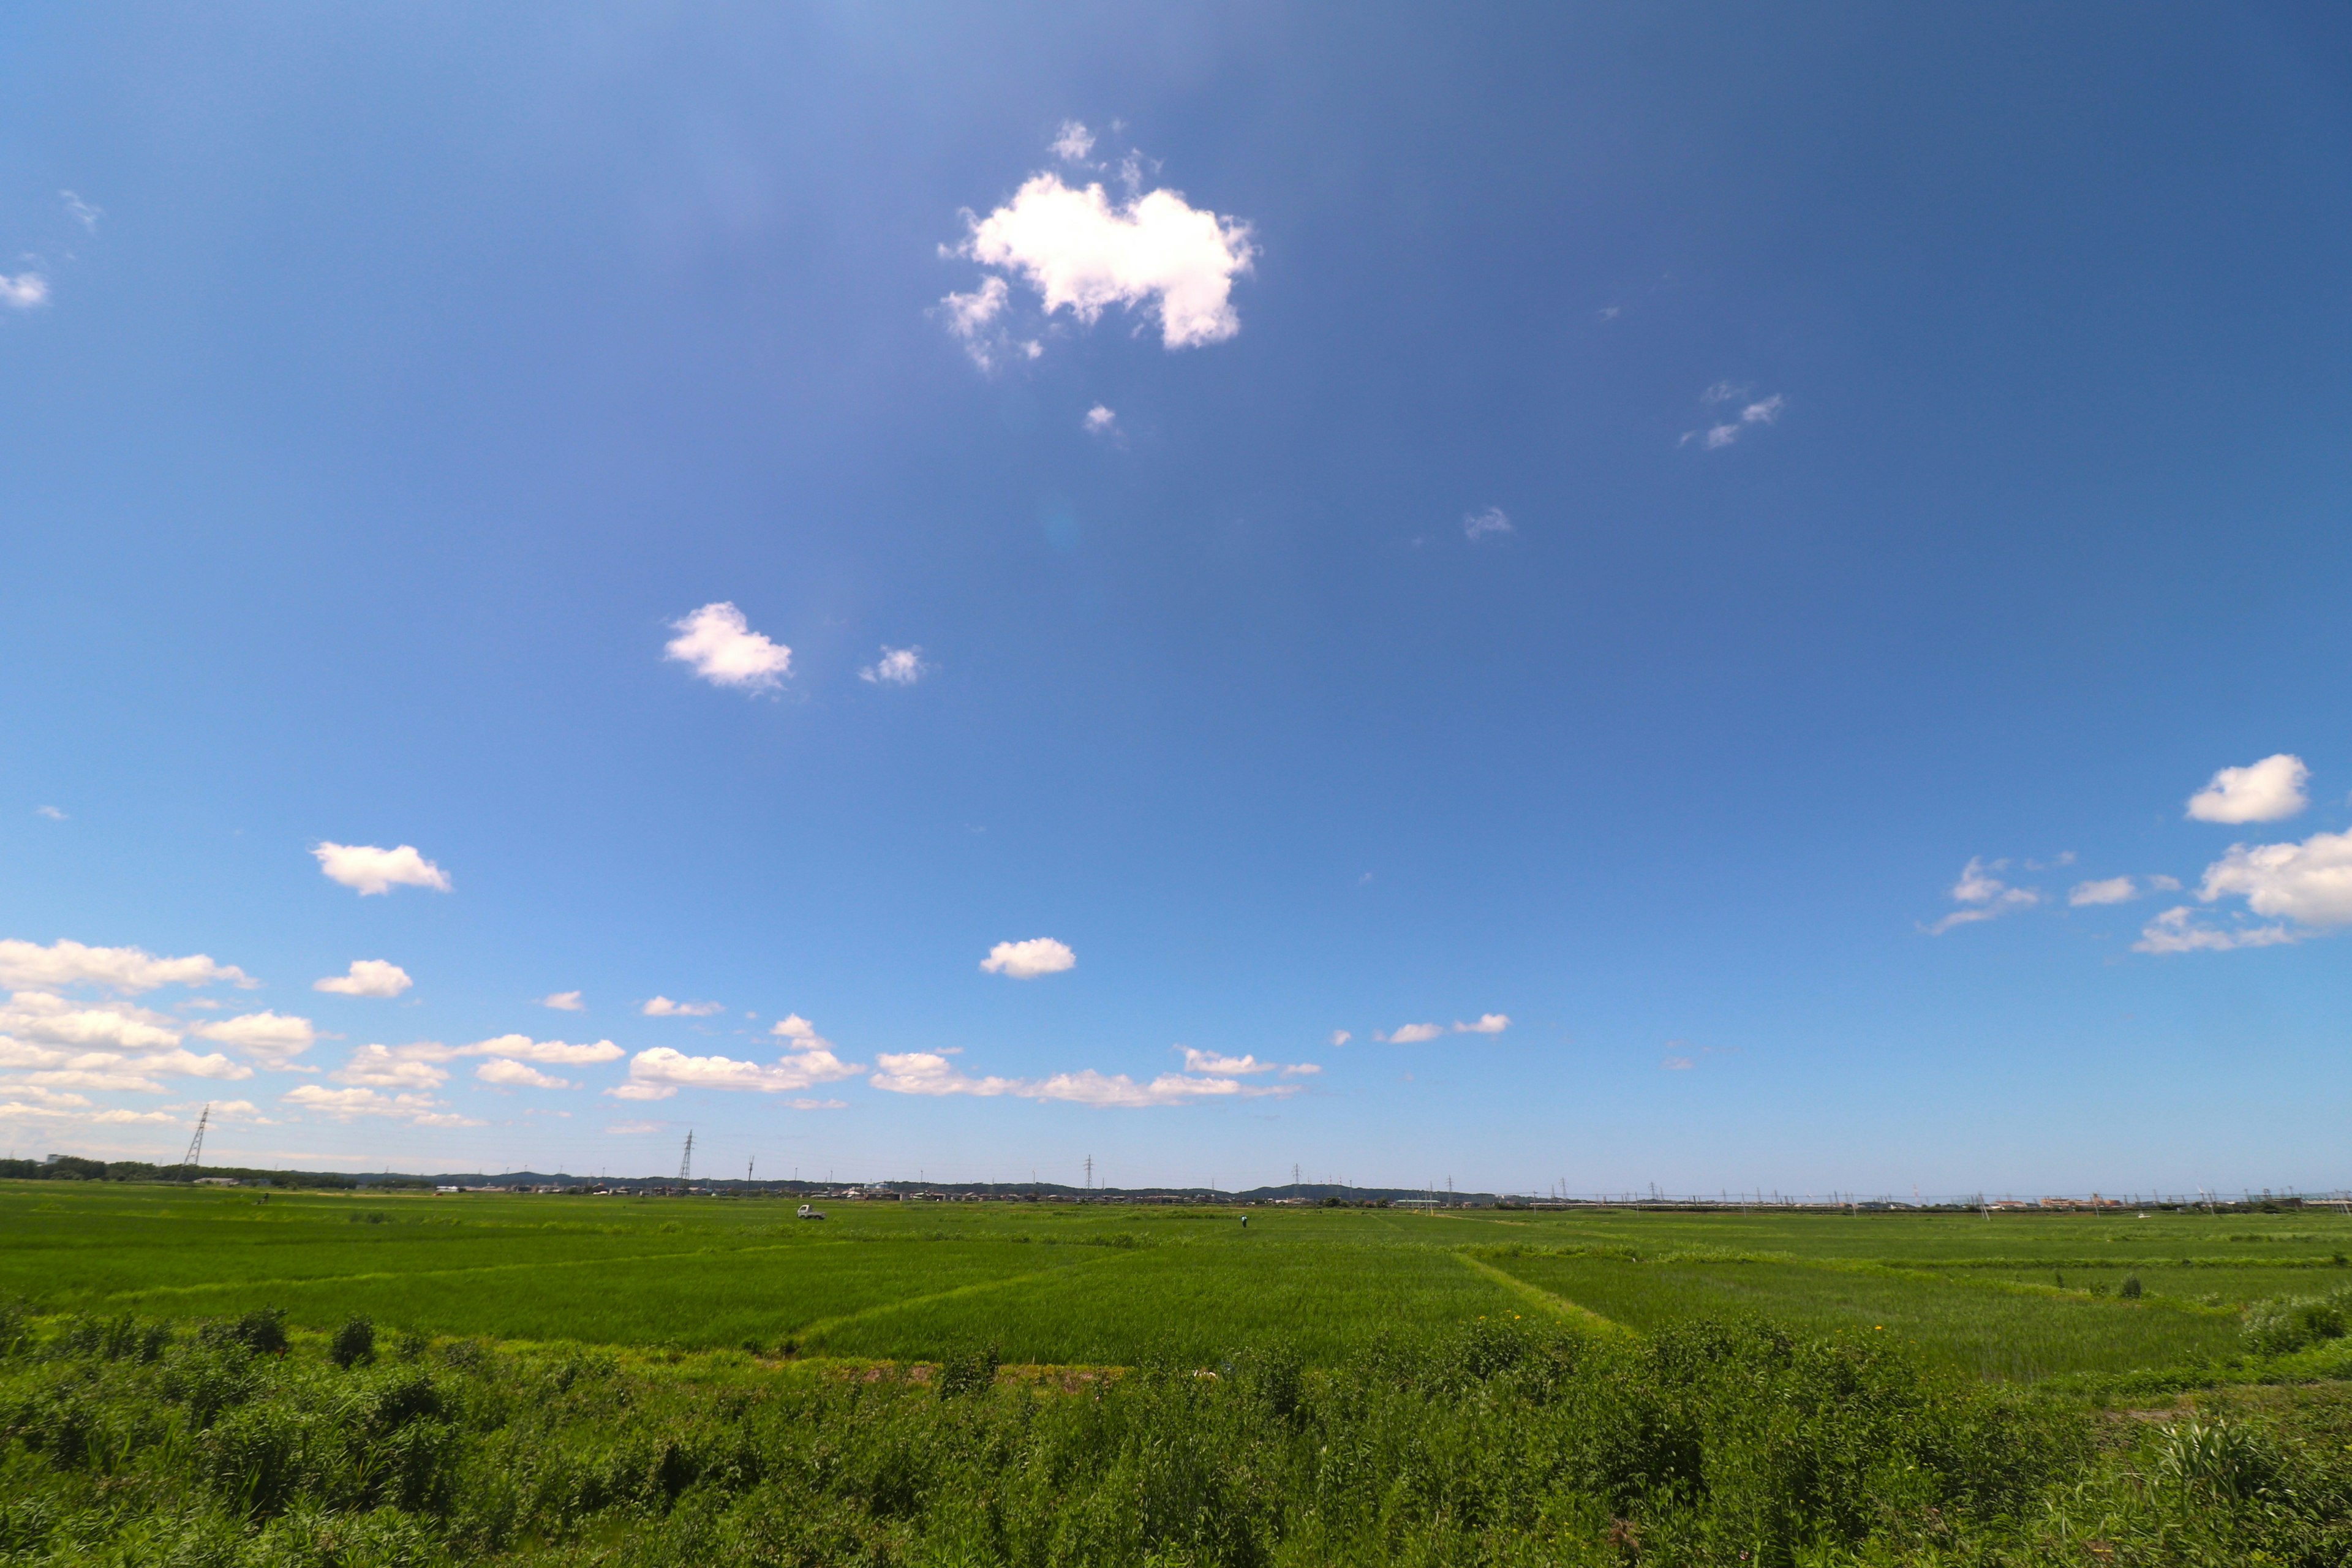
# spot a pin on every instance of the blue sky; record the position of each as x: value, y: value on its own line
x: 1609, y: 527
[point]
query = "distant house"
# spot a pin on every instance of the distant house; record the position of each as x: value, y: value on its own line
x: 438, y: 1190
x: 219, y: 1181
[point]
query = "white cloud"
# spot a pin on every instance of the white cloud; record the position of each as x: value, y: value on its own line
x: 1487, y: 1023
x: 1479, y: 524
x: 380, y: 1066
x: 1028, y: 960
x: 1984, y: 896
x: 663, y: 1007
x: 2106, y: 891
x: 634, y: 1129
x: 2175, y: 931
x: 41, y: 1015
x: 1100, y: 420
x: 563, y: 1001
x: 724, y: 650
x: 972, y: 317
x: 1675, y: 1064
x: 269, y: 1036
x: 343, y: 1104
x: 29, y: 964
x: 2265, y: 791
x: 553, y: 1053
x: 368, y: 977
x: 182, y: 1063
x: 1078, y: 251
x: 820, y: 1105
x: 897, y: 667
x: 931, y: 1072
x: 83, y: 213
x: 792, y: 1026
x: 509, y: 1073
x: 51, y: 811
x: 1092, y: 1088
x: 1072, y: 143
x: 1411, y: 1034
x: 1211, y: 1062
x: 1726, y: 430
x: 25, y: 290
x: 1340, y: 1036
x: 661, y: 1072
x: 2310, y: 882
x: 370, y: 869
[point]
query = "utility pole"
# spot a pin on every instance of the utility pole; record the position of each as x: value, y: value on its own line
x: 195, y: 1155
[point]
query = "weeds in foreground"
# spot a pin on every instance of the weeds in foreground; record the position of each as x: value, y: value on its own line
x: 1501, y: 1443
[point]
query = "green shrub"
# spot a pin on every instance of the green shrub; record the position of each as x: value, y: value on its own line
x: 2285, y: 1324
x: 968, y: 1369
x: 354, y: 1344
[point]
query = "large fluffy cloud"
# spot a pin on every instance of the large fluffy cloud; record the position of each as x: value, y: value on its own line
x: 931, y: 1072
x: 368, y: 977
x: 1082, y: 253
x: 505, y: 1072
x: 44, y: 1017
x: 2310, y: 882
x: 2262, y: 792
x: 1028, y: 960
x: 372, y: 869
x: 30, y: 965
x: 718, y: 645
x: 661, y: 1072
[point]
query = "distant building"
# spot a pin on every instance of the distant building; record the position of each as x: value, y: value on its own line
x: 219, y: 1181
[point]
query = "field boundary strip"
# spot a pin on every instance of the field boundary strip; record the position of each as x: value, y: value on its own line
x: 297, y: 1282
x: 1574, y: 1312
x: 811, y: 1333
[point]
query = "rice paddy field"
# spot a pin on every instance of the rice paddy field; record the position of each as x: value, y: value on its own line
x: 2017, y: 1297
x: 268, y: 1380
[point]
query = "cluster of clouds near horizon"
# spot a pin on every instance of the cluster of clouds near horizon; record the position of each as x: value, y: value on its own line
x: 2291, y: 890
x: 56, y: 1051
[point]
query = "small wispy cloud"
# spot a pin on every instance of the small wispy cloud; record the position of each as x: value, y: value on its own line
x: 663, y: 1007
x: 1676, y: 1063
x: 897, y: 667
x: 1479, y: 525
x: 1410, y: 1034
x: 24, y: 291
x: 1339, y: 1037
x: 1487, y: 1023
x: 1072, y: 143
x: 1728, y: 427
x: 81, y: 211
x: 1101, y: 420
x: 1983, y: 896
x: 51, y: 811
x: 2176, y: 929
x: 563, y: 1001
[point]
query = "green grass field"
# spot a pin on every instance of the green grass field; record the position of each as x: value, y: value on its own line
x: 544, y: 1379
x: 1111, y: 1286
